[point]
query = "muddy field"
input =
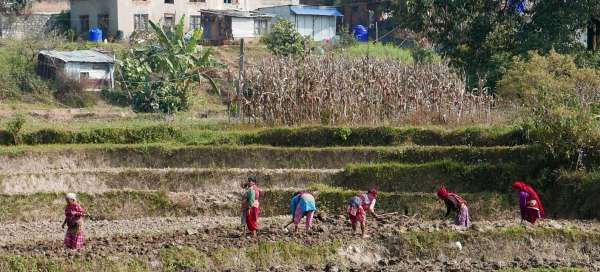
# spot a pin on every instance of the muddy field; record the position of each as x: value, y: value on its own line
x: 397, y: 243
x: 151, y: 208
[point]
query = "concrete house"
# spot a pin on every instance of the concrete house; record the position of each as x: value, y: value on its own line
x: 120, y: 18
x: 318, y: 22
x: 95, y: 70
x: 223, y: 25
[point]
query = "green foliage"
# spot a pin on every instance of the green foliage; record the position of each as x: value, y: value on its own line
x: 346, y: 38
x: 284, y: 40
x: 72, y: 93
x: 380, y: 51
x: 103, y: 135
x: 300, y: 137
x: 559, y: 100
x: 14, y: 126
x: 182, y: 259
x: 429, y: 176
x: 383, y: 136
x: 161, y: 74
x: 471, y: 33
x: 553, y: 74
x: 115, y: 97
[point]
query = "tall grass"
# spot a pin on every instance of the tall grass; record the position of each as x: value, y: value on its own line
x: 379, y: 51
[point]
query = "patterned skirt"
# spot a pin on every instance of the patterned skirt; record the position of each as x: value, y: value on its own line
x: 462, y: 218
x: 74, y: 239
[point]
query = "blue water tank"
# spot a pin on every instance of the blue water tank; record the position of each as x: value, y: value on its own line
x: 361, y: 33
x: 95, y: 35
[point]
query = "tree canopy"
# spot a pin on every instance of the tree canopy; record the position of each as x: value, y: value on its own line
x: 481, y: 36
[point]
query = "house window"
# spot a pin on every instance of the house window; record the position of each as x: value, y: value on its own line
x: 168, y: 21
x: 227, y: 1
x: 84, y: 23
x: 169, y: 1
x: 103, y: 23
x: 100, y: 66
x: 195, y: 21
x: 83, y: 76
x: 198, y: 1
x: 140, y: 21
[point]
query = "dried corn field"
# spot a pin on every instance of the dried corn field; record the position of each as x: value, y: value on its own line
x: 333, y: 90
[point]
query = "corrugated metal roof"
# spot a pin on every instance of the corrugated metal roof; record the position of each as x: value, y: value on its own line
x: 79, y: 56
x: 320, y: 11
x: 237, y: 13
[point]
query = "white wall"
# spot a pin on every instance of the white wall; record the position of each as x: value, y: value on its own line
x: 74, y: 70
x: 318, y: 27
x: 242, y: 27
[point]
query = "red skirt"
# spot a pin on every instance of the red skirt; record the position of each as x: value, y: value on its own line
x: 531, y: 215
x: 252, y: 218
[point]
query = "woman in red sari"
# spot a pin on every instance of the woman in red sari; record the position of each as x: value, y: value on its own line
x: 250, y: 205
x: 74, y: 238
x: 529, y: 202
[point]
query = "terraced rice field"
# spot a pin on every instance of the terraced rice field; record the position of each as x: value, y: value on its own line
x: 175, y: 208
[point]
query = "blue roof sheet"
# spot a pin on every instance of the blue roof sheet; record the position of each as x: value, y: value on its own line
x: 316, y: 11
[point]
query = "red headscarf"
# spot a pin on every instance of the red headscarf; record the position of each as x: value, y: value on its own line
x: 372, y: 192
x: 523, y: 187
x: 442, y: 193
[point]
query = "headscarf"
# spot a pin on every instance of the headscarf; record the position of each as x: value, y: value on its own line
x: 372, y: 192
x: 523, y: 187
x: 442, y: 193
x: 252, y: 179
x: 71, y: 196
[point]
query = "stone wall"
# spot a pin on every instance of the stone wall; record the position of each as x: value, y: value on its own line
x: 18, y: 26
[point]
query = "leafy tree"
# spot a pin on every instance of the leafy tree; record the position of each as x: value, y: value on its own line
x: 559, y: 101
x: 284, y: 40
x: 161, y: 74
x: 481, y: 36
x: 551, y: 74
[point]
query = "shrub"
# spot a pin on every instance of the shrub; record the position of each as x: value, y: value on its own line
x: 14, y: 126
x: 284, y: 40
x: 161, y: 74
x: 554, y: 73
x: 72, y: 93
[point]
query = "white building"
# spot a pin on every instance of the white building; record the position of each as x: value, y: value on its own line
x: 320, y: 23
x: 93, y: 69
x: 120, y: 18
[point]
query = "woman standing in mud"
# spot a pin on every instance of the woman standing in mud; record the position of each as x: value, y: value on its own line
x: 74, y: 238
x: 455, y: 203
x: 250, y: 205
x: 303, y: 205
x: 529, y: 202
x: 358, y: 207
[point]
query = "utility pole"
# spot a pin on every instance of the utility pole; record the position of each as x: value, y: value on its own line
x: 240, y: 81
x: 376, y: 33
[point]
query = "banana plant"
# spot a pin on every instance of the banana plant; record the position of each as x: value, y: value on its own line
x: 173, y: 60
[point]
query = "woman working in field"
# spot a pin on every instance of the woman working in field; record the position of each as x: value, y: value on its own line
x: 303, y: 205
x: 529, y: 202
x: 74, y: 238
x: 250, y: 205
x: 358, y: 207
x: 455, y: 203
